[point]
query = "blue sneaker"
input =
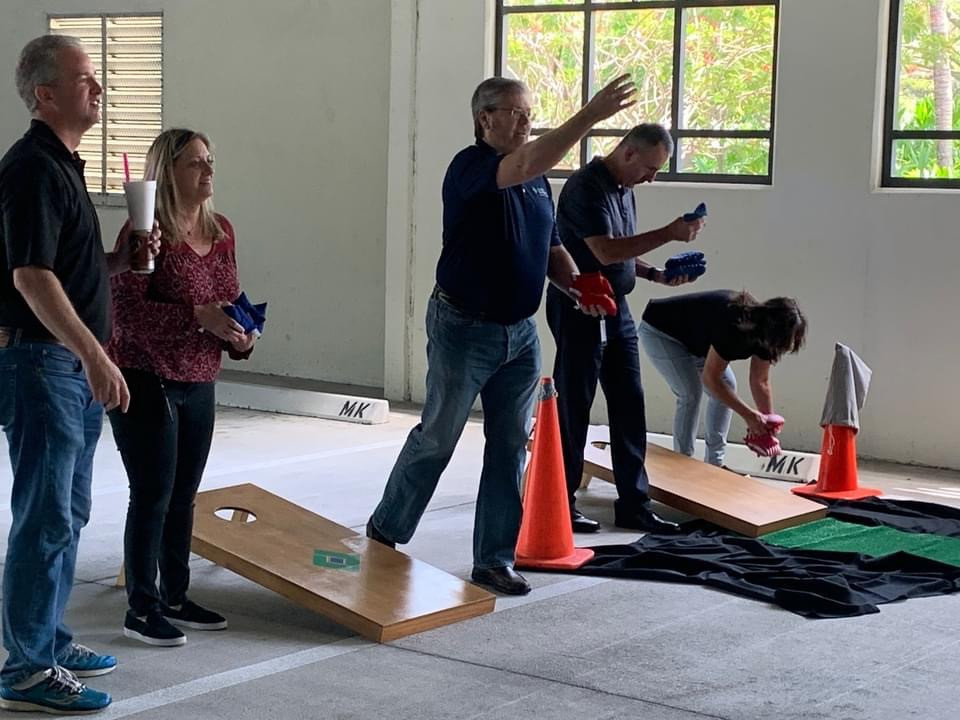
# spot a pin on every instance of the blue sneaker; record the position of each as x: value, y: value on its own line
x: 56, y: 691
x: 84, y: 662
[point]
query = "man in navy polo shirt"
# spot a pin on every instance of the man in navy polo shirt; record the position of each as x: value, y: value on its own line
x: 55, y: 376
x: 596, y: 220
x: 499, y: 244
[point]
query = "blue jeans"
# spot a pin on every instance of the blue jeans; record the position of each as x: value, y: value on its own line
x: 683, y: 372
x: 468, y: 357
x: 52, y: 426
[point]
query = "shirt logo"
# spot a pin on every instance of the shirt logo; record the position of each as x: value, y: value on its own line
x: 539, y: 192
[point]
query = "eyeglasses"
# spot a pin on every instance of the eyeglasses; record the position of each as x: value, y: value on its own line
x: 201, y: 161
x: 516, y: 113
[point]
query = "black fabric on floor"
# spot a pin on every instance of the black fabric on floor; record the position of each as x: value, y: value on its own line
x: 906, y: 515
x: 811, y: 583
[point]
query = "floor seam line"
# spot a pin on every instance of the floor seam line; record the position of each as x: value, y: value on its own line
x: 533, y: 676
x: 197, y: 687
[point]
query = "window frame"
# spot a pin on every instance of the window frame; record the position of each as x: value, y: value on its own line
x: 100, y: 197
x: 671, y: 174
x: 891, y: 135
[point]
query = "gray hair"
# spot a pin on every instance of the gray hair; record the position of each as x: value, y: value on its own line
x: 39, y: 65
x: 649, y: 135
x: 488, y: 94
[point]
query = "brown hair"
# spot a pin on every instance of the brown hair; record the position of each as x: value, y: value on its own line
x: 777, y: 325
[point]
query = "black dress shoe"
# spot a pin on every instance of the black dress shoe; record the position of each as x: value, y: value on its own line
x: 645, y: 519
x: 374, y: 534
x: 581, y: 523
x: 504, y: 580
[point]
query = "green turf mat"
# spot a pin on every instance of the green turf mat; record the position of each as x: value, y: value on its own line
x: 830, y: 534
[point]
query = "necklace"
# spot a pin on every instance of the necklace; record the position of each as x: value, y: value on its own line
x: 187, y: 232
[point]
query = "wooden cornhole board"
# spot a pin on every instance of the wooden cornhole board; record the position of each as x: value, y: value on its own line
x: 386, y: 596
x: 719, y: 496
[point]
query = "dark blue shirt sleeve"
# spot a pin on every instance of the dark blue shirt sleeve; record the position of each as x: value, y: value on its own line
x: 32, y: 210
x: 474, y: 171
x: 588, y: 210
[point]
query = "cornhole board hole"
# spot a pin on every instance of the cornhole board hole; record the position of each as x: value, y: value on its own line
x: 374, y: 590
x: 719, y: 496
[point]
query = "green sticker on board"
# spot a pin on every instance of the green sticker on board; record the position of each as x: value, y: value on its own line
x: 336, y: 560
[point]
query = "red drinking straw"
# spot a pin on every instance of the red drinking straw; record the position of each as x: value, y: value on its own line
x: 126, y: 167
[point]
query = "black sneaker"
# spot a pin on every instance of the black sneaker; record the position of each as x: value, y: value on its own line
x: 153, y: 629
x: 191, y: 615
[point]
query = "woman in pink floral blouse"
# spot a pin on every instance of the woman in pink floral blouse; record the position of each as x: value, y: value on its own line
x: 169, y: 335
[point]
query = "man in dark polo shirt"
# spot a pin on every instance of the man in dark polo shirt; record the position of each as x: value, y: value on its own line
x: 499, y: 244
x: 55, y: 377
x: 596, y: 219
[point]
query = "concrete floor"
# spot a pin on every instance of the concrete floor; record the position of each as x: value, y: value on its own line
x: 573, y: 648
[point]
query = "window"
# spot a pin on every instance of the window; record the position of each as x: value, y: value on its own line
x: 921, y: 143
x: 706, y: 69
x: 127, y: 51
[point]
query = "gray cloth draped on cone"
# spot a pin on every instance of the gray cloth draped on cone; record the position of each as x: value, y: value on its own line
x: 847, y: 391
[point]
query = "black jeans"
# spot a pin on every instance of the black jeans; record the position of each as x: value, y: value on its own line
x: 164, y: 440
x: 579, y: 363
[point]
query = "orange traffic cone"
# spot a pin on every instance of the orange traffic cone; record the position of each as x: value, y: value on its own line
x: 546, y: 538
x: 838, y: 467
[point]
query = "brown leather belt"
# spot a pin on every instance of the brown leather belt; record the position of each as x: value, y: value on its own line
x: 11, y: 336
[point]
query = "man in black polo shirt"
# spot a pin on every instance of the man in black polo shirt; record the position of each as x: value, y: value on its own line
x: 499, y: 244
x: 596, y: 219
x: 55, y: 377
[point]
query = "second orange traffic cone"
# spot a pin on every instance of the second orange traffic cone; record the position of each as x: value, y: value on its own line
x: 838, y: 467
x: 546, y: 537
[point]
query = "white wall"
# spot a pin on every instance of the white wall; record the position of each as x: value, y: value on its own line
x: 873, y: 269
x: 335, y: 121
x: 295, y: 95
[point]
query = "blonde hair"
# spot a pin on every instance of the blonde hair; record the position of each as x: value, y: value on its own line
x: 161, y: 156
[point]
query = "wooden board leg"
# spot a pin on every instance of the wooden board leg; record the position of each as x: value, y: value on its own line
x: 585, y: 480
x: 121, y: 577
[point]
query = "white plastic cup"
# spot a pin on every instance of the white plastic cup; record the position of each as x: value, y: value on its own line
x: 141, y: 202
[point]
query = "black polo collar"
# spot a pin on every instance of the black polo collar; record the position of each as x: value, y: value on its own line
x: 606, y: 177
x: 44, y: 135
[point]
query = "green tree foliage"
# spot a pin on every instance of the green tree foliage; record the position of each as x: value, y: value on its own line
x: 928, y: 53
x: 727, y: 85
x: 727, y: 73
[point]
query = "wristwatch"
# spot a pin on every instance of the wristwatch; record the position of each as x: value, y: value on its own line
x: 651, y: 273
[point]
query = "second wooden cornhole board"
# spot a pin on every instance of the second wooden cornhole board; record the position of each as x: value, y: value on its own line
x: 721, y: 497
x: 374, y: 590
